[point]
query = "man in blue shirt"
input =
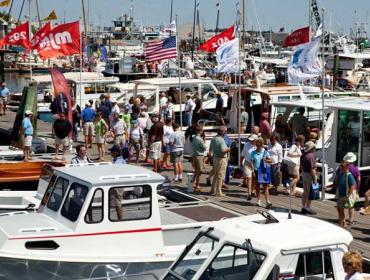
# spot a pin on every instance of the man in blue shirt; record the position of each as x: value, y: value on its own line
x: 88, y: 115
x: 4, y: 95
x: 27, y: 131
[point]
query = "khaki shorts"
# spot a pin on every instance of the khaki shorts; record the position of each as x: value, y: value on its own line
x: 247, y: 170
x: 88, y: 128
x: 156, y: 150
x: 3, y: 100
x: 294, y: 170
x: 199, y: 164
x: 28, y: 141
x: 99, y: 139
x: 64, y: 142
x: 120, y: 140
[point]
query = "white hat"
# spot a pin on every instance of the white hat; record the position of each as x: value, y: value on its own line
x: 253, y: 137
x: 350, y: 157
x: 28, y: 112
x: 309, y: 146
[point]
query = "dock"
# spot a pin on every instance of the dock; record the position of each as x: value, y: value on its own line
x: 235, y: 198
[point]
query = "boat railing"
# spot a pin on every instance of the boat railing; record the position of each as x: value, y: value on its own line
x: 286, y: 252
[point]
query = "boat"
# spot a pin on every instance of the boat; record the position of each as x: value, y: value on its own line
x: 98, y: 221
x: 269, y: 245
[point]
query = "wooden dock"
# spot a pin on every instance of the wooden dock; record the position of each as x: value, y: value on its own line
x: 235, y: 198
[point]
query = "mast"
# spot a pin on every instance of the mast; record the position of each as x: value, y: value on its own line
x: 244, y: 20
x: 171, y: 11
x: 29, y: 36
x: 193, y: 33
x: 323, y: 159
x: 178, y: 70
x: 84, y: 17
x: 38, y: 13
x: 218, y: 16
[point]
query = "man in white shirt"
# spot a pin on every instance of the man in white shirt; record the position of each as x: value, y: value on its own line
x: 275, y: 151
x: 248, y: 178
x: 118, y: 130
x: 189, y: 108
x: 162, y: 105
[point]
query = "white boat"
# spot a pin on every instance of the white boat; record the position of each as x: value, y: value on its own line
x: 98, y: 221
x: 270, y: 246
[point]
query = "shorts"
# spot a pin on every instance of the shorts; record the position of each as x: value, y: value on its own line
x: 247, y: 170
x: 99, y: 139
x: 166, y: 148
x: 120, y: 140
x: 341, y: 201
x: 294, y: 171
x: 64, y: 142
x: 136, y: 144
x: 3, y: 100
x: 28, y: 141
x: 199, y: 163
x: 88, y: 128
x: 175, y: 157
x: 307, y: 180
x: 155, y: 150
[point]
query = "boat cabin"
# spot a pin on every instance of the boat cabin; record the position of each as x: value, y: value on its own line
x: 265, y: 247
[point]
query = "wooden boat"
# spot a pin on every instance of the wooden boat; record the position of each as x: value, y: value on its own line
x: 17, y: 171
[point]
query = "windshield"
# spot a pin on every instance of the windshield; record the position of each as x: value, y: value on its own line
x: 192, y: 259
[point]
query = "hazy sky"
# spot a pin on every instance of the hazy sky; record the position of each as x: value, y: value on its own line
x: 268, y: 13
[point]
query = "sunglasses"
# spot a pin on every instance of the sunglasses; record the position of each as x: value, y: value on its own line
x: 258, y: 145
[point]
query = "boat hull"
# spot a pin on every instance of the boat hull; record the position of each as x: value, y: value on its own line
x: 23, y: 269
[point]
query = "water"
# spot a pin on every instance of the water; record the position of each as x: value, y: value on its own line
x: 15, y: 81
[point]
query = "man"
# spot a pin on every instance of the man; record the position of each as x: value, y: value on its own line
x: 244, y: 118
x: 220, y: 109
x: 189, y: 108
x: 62, y: 128
x: 198, y: 108
x: 275, y: 151
x: 199, y: 148
x: 115, y: 109
x: 156, y: 141
x: 4, y: 95
x: 298, y: 124
x: 118, y: 130
x: 27, y: 131
x: 81, y: 156
x: 162, y: 104
x: 248, y: 177
x: 176, y: 141
x: 116, y: 154
x: 218, y: 150
x: 309, y: 176
x: 88, y: 115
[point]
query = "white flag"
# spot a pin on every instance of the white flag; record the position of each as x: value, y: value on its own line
x: 305, y: 63
x: 228, y: 57
x: 171, y: 27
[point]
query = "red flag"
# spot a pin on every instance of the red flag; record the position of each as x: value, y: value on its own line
x: 212, y: 44
x: 39, y: 35
x: 19, y: 36
x: 300, y: 36
x: 61, y: 92
x: 62, y: 40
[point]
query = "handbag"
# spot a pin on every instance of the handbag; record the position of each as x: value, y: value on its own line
x: 314, y: 191
x: 264, y: 173
x: 351, y: 199
x: 291, y: 161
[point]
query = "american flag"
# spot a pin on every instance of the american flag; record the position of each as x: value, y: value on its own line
x: 161, y: 49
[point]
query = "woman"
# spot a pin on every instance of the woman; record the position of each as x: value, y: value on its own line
x: 136, y: 139
x: 101, y: 129
x: 345, y: 184
x: 258, y: 157
x: 352, y: 264
x: 295, y: 154
x: 265, y: 127
x: 167, y: 131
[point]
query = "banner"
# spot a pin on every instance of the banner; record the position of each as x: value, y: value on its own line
x: 228, y: 57
x: 62, y: 40
x: 61, y: 92
x: 300, y: 36
x: 305, y: 63
x: 215, y: 42
x: 19, y: 36
x: 39, y: 34
x: 51, y: 16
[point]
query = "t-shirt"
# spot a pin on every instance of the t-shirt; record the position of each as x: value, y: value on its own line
x: 265, y: 127
x: 27, y: 126
x: 218, y: 146
x: 308, y: 162
x: 177, y: 140
x: 244, y: 118
x: 355, y: 276
x: 62, y: 128
x: 298, y: 123
x: 118, y: 127
x: 4, y: 92
x: 198, y: 145
x: 276, y: 153
x: 355, y: 172
x: 156, y: 132
x: 136, y: 133
x: 88, y: 114
x: 126, y: 117
x: 256, y: 158
x: 247, y: 151
x: 167, y: 131
x: 342, y: 187
x: 99, y: 127
x: 189, y: 105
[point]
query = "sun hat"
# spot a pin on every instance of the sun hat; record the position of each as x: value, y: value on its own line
x: 253, y: 137
x: 28, y: 112
x: 350, y: 157
x: 309, y: 145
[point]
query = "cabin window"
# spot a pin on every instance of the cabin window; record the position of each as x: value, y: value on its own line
x: 100, y: 88
x: 234, y: 263
x: 74, y: 201
x: 348, y: 133
x: 130, y: 203
x: 57, y: 195
x: 208, y: 92
x: 111, y: 89
x: 89, y: 89
x: 314, y: 265
x: 48, y: 190
x: 95, y: 213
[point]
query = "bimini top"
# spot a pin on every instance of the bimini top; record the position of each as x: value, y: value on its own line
x: 283, y: 234
x: 111, y: 174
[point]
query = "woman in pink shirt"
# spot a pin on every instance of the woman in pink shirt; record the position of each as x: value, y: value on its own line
x: 265, y: 127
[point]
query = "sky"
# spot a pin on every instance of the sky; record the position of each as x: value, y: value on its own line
x: 261, y: 14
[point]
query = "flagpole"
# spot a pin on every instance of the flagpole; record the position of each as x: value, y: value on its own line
x: 193, y: 35
x: 178, y: 72
x: 29, y: 37
x: 239, y: 101
x: 38, y: 13
x: 218, y: 16
x: 323, y: 158
x: 81, y: 59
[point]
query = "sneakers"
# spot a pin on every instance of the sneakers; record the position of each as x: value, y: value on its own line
x: 249, y: 197
x: 268, y: 205
x: 259, y: 203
